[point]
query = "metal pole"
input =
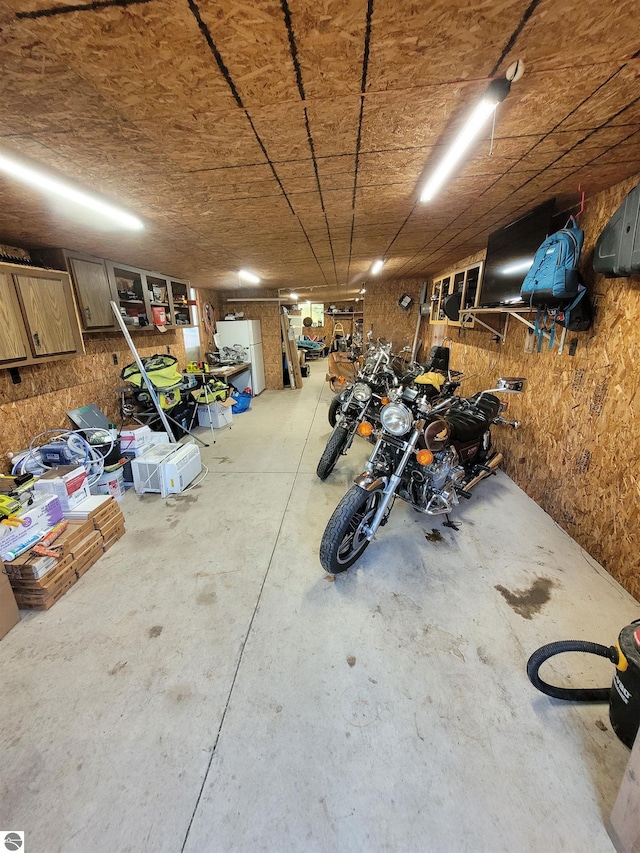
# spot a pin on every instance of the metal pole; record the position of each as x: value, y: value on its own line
x: 143, y: 372
x: 414, y: 347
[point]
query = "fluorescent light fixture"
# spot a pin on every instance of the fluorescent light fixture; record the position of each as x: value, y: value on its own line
x: 41, y: 181
x: 293, y: 295
x: 377, y: 267
x: 518, y: 266
x: 245, y: 275
x: 496, y: 92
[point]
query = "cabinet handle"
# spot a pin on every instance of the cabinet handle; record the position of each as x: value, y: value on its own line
x: 87, y: 311
x: 36, y: 340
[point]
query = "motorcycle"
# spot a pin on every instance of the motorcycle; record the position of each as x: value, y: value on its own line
x: 356, y: 409
x: 428, y: 455
x: 380, y: 381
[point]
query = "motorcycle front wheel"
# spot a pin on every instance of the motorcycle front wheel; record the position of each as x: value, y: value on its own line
x: 332, y: 451
x: 343, y: 541
x: 334, y: 405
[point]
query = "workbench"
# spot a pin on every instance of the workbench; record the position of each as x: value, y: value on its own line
x: 229, y: 370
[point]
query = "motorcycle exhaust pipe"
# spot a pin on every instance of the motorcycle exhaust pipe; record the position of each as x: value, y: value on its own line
x: 493, y: 464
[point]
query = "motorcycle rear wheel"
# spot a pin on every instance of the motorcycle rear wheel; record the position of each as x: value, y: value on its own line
x: 343, y: 541
x: 332, y: 451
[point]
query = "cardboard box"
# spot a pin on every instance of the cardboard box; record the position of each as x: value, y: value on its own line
x: 48, y: 584
x: 42, y: 515
x: 91, y: 507
x: 117, y: 534
x: 89, y: 559
x: 216, y: 415
x: 130, y: 439
x: 68, y: 482
x: 26, y: 576
x: 9, y: 614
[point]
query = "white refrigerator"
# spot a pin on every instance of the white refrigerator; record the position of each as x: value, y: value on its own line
x: 248, y: 334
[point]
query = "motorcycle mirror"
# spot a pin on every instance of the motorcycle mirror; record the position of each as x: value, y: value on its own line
x: 510, y: 384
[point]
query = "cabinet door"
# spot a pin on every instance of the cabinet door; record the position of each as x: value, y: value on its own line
x: 94, y: 293
x: 12, y: 345
x: 47, y: 314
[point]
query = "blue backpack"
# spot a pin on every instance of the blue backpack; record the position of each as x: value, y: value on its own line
x: 553, y: 276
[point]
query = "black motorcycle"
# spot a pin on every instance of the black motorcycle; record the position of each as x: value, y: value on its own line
x: 381, y: 380
x: 428, y: 455
x: 356, y: 410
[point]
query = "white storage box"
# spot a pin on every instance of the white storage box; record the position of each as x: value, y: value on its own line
x: 215, y: 415
x: 67, y: 482
x: 133, y: 439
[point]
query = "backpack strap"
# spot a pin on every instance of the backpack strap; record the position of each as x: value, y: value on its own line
x: 567, y: 311
x: 538, y: 330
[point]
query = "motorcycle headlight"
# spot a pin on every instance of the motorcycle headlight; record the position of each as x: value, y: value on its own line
x: 396, y: 418
x: 361, y: 392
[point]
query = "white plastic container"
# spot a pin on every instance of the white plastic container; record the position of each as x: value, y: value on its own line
x: 110, y: 483
x: 214, y: 415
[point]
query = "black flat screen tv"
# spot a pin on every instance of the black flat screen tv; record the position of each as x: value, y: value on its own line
x: 510, y: 253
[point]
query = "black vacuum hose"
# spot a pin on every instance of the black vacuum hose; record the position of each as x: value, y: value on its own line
x: 595, y: 694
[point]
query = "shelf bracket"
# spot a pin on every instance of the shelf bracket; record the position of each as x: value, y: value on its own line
x: 532, y: 326
x: 467, y: 316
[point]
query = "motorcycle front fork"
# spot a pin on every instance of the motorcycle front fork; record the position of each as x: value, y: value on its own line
x: 389, y: 490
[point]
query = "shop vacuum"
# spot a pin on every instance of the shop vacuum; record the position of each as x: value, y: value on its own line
x: 623, y: 695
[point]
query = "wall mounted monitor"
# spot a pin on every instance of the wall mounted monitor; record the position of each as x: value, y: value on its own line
x: 510, y: 253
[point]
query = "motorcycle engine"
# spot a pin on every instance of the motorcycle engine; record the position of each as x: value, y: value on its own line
x: 443, y: 467
x: 433, y: 489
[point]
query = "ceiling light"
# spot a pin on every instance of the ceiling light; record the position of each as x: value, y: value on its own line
x: 377, y: 267
x: 496, y: 92
x: 245, y: 275
x: 293, y: 295
x: 51, y: 185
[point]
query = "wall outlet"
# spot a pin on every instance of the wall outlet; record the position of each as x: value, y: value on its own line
x: 115, y: 358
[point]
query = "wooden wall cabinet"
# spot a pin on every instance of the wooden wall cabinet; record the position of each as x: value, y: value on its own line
x: 90, y: 283
x: 97, y: 282
x: 138, y: 292
x: 466, y: 282
x: 38, y: 316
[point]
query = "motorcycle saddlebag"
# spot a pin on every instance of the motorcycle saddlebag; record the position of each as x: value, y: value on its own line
x: 617, y: 252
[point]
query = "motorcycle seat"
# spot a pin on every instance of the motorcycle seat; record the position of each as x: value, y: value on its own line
x: 488, y: 404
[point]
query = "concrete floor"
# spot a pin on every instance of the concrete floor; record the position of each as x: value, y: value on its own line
x: 205, y: 687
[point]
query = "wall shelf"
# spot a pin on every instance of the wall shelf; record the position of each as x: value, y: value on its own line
x: 517, y: 313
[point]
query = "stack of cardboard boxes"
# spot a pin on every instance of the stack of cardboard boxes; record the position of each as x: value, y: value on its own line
x: 39, y: 581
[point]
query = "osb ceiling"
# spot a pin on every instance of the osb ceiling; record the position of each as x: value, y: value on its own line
x: 291, y: 137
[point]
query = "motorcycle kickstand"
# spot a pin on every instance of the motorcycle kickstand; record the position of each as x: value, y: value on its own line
x: 449, y: 523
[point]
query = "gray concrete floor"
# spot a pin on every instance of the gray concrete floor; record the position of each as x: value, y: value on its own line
x: 205, y: 687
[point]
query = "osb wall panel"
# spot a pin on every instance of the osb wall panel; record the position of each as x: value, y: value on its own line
x: 384, y: 317
x: 577, y: 453
x: 269, y: 315
x: 48, y: 391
